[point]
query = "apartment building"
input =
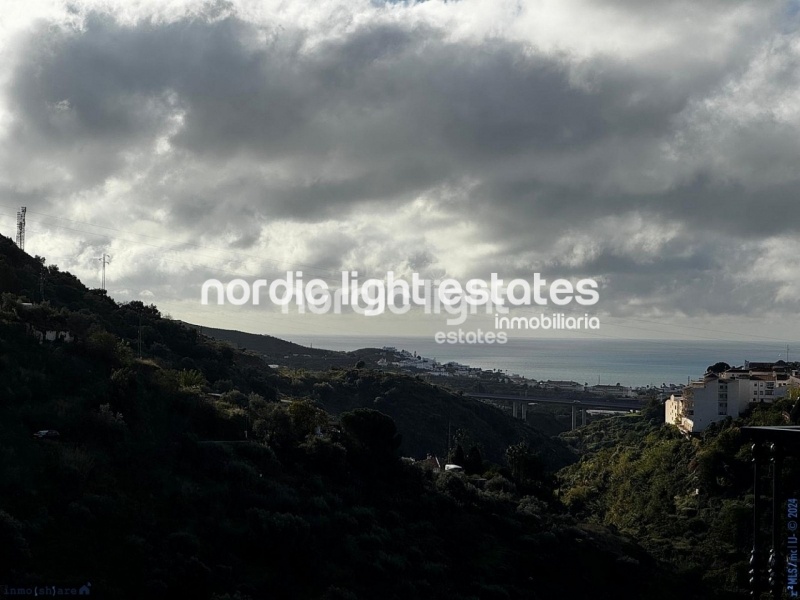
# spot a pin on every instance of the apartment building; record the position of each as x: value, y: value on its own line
x: 728, y: 394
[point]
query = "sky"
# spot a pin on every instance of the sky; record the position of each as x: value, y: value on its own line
x: 651, y: 146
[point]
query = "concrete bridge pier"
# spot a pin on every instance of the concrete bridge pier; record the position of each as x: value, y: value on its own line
x: 575, y: 419
x: 519, y: 410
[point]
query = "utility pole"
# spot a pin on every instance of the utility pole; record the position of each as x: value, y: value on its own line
x: 105, y: 261
x: 449, y: 438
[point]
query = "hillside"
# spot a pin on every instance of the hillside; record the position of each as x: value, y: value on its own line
x: 426, y: 414
x: 274, y: 349
x: 152, y: 490
x: 688, y: 500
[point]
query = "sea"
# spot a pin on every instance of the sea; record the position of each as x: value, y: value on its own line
x: 634, y: 363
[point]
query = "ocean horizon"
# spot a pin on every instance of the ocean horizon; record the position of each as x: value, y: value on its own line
x: 628, y: 362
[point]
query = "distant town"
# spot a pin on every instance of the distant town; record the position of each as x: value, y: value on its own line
x: 723, y: 392
x: 433, y: 369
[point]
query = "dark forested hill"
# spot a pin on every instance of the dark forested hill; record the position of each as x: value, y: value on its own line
x: 267, y: 345
x: 426, y: 414
x: 186, y: 468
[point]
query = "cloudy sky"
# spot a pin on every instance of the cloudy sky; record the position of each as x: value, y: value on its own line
x: 653, y: 146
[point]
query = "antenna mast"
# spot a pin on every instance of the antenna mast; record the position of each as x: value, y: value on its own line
x: 21, y: 227
x: 104, y: 260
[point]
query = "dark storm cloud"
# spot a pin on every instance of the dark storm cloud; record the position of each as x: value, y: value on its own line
x: 402, y: 109
x: 535, y: 149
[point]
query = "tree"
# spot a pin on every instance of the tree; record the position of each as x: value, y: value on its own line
x: 274, y: 425
x: 793, y: 393
x: 306, y: 417
x: 456, y: 456
x: 8, y: 278
x: 525, y: 464
x: 370, y: 436
x: 473, y: 464
x: 191, y: 379
x: 236, y: 398
x: 102, y: 344
x: 718, y: 368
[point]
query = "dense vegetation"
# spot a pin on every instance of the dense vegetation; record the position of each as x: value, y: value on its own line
x: 688, y: 500
x: 187, y: 468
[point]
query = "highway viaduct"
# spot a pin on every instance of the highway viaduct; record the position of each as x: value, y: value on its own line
x: 519, y: 404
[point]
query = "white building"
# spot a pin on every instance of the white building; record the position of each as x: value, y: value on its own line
x: 727, y: 394
x: 568, y: 386
x: 618, y: 391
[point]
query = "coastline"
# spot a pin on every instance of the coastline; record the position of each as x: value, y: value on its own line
x: 632, y: 363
